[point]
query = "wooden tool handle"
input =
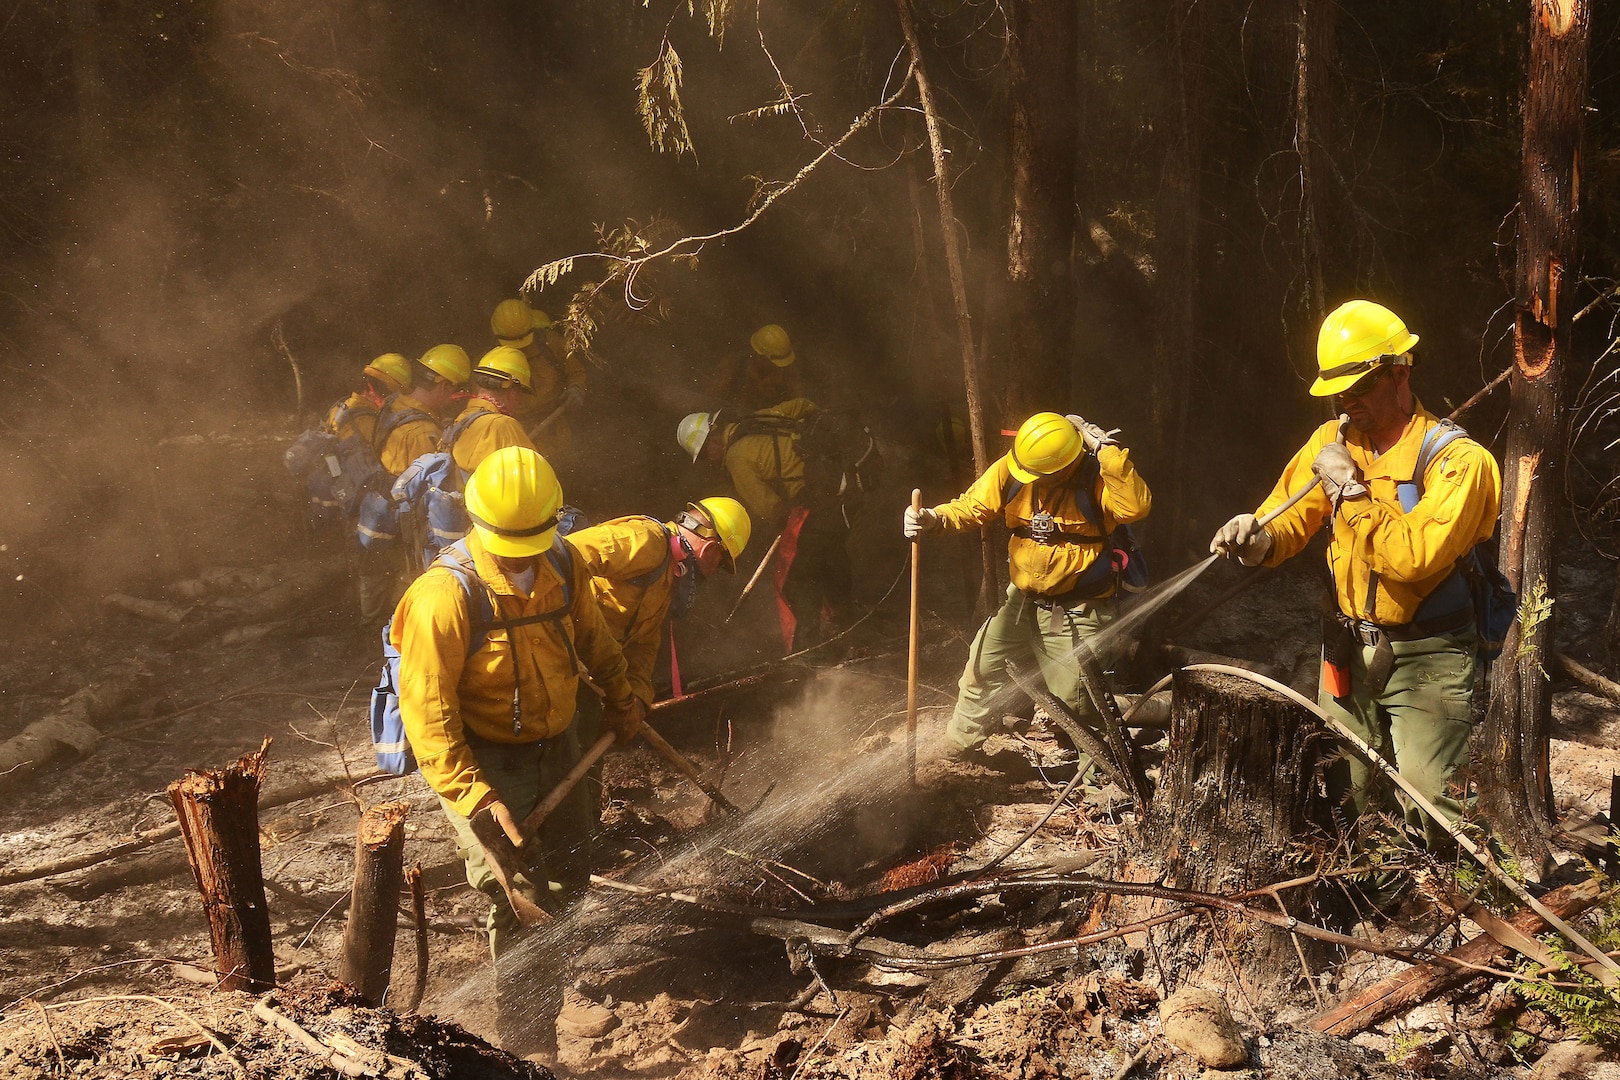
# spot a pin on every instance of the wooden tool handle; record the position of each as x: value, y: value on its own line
x: 677, y: 759
x: 911, y: 656
x: 539, y: 814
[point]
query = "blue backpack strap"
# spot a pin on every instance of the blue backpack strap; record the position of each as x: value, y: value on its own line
x: 481, y: 609
x: 1442, y: 435
x: 391, y: 419
x: 641, y: 581
x: 1085, y: 490
x: 1452, y: 594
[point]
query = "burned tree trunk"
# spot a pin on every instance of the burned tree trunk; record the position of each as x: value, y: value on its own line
x: 379, y: 872
x: 1237, y: 799
x: 219, y: 821
x: 1040, y: 226
x: 1178, y: 216
x: 1515, y: 788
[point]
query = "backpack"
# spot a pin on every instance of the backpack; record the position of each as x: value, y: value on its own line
x: 388, y: 740
x: 430, y: 488
x: 1125, y: 563
x: 1476, y: 580
x: 339, y: 473
x: 841, y: 457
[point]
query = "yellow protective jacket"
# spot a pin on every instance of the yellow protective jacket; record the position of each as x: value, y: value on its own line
x: 444, y: 693
x: 1410, y: 553
x: 765, y: 468
x: 1052, y: 569
x: 488, y: 430
x: 552, y: 369
x: 354, y: 415
x: 409, y: 440
x: 622, y: 554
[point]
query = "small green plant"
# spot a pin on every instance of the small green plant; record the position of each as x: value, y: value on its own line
x: 1402, y: 1046
x: 1581, y: 1003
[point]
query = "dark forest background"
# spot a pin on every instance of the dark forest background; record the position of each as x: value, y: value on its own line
x: 1196, y: 183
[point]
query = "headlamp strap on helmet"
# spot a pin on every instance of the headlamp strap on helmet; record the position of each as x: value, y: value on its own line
x: 548, y: 523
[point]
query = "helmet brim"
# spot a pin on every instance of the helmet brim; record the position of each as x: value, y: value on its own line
x: 517, y: 343
x: 515, y: 547
x: 1020, y: 473
x: 783, y: 361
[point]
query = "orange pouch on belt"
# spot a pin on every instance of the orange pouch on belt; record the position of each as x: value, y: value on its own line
x: 1338, y: 646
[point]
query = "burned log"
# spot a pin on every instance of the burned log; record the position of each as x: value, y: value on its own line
x: 1236, y: 798
x: 219, y: 821
x: 379, y: 873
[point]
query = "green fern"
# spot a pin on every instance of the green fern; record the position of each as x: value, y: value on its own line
x: 1582, y: 1004
x: 658, y: 103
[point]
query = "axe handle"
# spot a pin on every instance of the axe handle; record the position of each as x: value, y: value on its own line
x: 677, y: 759
x: 759, y: 572
x: 531, y: 824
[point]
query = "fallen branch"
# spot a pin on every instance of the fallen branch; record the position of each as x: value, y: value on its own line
x: 1587, y: 677
x: 36, y: 871
x: 1398, y: 993
x: 265, y: 1010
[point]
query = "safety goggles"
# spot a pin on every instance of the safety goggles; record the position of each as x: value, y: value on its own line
x: 1364, y: 385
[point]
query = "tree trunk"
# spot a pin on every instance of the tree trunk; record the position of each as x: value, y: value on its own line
x: 1237, y: 794
x: 1515, y: 788
x: 1313, y: 60
x: 219, y: 821
x: 379, y: 872
x: 1040, y: 229
x: 953, y: 266
x: 1177, y: 223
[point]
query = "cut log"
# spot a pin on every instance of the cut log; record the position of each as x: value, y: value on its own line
x: 1236, y: 796
x: 379, y: 872
x: 70, y: 730
x: 1396, y: 994
x: 219, y: 821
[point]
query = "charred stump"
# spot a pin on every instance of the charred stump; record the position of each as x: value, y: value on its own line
x: 219, y: 822
x: 379, y: 874
x: 1237, y: 802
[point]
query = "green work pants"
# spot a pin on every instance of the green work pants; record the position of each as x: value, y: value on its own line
x: 522, y: 775
x: 380, y: 579
x: 1029, y: 636
x: 1421, y: 721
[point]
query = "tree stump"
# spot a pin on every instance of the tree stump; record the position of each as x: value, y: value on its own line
x: 1238, y: 807
x: 219, y: 821
x: 379, y: 872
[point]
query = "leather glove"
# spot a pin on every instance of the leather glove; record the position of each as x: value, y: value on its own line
x: 572, y: 397
x: 921, y: 521
x: 503, y: 817
x: 1096, y: 438
x: 1340, y: 478
x: 625, y: 720
x: 1243, y: 537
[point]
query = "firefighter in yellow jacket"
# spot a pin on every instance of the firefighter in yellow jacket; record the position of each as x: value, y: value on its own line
x: 385, y: 377
x: 760, y: 452
x: 437, y: 378
x: 1061, y: 491
x: 489, y: 710
x: 501, y: 382
x: 558, y: 376
x: 1400, y: 649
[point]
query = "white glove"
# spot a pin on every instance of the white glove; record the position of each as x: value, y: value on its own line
x: 1340, y: 478
x: 1096, y: 438
x: 571, y: 398
x: 1243, y: 537
x: 920, y: 521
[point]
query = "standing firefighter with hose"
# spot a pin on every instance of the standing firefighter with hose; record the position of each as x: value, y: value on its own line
x: 487, y: 683
x: 557, y: 377
x: 1063, y: 491
x: 1407, y: 497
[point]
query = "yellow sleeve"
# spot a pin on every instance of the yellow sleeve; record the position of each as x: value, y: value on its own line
x: 408, y: 442
x: 430, y: 631
x: 1295, y: 527
x: 979, y: 504
x: 1462, y: 495
x: 754, y: 486
x: 644, y: 636
x: 491, y: 432
x: 1125, y: 495
x: 598, y: 652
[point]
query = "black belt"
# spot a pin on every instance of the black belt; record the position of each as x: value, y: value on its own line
x: 1378, y: 639
x: 1056, y: 536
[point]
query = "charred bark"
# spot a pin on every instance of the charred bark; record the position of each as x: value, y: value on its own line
x: 1177, y: 222
x: 1515, y: 789
x: 379, y: 873
x: 1237, y: 798
x: 219, y: 821
x: 1040, y: 229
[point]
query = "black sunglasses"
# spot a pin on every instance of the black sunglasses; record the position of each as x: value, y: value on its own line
x: 1364, y: 385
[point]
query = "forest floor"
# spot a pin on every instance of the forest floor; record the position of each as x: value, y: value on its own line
x: 100, y: 969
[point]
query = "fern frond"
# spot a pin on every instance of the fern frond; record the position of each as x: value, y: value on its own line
x: 658, y: 103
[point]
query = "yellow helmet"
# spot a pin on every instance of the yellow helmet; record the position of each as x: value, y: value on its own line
x: 513, y: 323
x: 391, y: 369
x: 772, y: 343
x: 1357, y: 337
x: 693, y: 432
x: 721, y: 519
x: 449, y: 362
x: 1046, y: 443
x: 507, y: 363
x: 513, y: 499
x: 542, y: 321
